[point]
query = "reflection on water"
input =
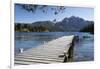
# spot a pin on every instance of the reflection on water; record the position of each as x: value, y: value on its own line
x: 83, y: 50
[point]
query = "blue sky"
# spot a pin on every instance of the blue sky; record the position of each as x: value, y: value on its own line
x: 22, y: 16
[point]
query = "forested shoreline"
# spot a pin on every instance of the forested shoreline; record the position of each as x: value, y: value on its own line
x: 21, y: 27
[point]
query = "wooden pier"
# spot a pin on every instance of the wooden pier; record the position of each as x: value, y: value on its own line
x: 56, y: 51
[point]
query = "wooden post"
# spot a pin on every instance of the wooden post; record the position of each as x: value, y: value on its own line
x: 65, y: 57
x: 71, y: 51
x: 69, y: 55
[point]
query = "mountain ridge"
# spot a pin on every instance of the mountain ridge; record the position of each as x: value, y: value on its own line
x: 72, y: 23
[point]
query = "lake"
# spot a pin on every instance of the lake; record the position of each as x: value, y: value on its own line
x: 83, y: 49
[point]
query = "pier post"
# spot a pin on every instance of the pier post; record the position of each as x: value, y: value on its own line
x: 71, y: 51
x: 69, y: 54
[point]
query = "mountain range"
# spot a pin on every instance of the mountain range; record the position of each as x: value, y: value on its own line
x: 72, y: 23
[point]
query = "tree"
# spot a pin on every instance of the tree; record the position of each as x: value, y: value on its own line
x: 17, y: 26
x: 44, y: 8
x: 89, y: 28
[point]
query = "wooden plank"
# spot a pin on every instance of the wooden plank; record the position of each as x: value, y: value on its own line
x: 40, y: 58
x: 24, y: 63
x: 35, y: 60
x: 51, y: 52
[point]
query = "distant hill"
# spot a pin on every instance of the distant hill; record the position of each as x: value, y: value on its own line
x: 88, y: 28
x: 67, y: 24
x: 47, y: 24
x: 72, y: 24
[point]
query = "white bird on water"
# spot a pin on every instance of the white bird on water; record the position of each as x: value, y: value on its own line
x: 21, y: 50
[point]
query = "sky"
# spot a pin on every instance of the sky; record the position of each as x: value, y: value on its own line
x: 23, y: 16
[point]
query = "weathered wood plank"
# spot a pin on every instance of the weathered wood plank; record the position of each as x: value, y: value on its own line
x: 37, y: 58
x: 55, y: 51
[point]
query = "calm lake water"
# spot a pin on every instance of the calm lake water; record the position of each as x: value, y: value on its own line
x: 83, y: 50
